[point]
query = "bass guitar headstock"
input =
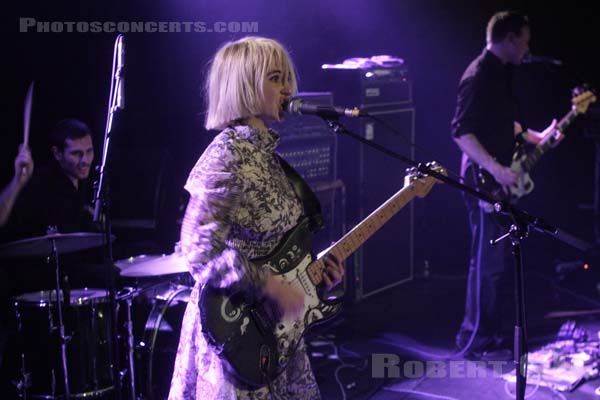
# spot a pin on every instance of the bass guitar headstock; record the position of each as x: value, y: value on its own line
x: 582, y: 98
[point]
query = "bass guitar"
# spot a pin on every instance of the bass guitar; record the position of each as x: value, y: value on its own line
x: 524, y: 161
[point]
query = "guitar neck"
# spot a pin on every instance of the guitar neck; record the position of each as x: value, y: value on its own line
x: 533, y: 157
x: 350, y: 242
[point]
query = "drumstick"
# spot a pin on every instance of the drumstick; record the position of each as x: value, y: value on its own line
x: 27, y: 119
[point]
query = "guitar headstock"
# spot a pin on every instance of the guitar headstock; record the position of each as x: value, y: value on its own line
x: 423, y: 183
x: 582, y: 98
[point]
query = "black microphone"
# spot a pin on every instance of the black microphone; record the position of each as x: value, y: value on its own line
x: 530, y: 58
x: 299, y: 107
x: 119, y: 74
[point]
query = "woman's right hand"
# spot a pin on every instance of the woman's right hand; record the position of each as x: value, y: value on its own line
x: 290, y: 299
x: 504, y: 176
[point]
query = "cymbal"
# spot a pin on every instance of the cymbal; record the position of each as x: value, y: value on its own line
x: 152, y: 265
x: 41, y: 246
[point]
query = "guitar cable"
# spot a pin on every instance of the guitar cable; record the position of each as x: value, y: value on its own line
x: 462, y: 351
x: 466, y: 348
x: 343, y: 364
x: 263, y: 367
x: 478, y: 291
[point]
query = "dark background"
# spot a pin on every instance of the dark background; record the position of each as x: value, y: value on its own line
x: 164, y: 102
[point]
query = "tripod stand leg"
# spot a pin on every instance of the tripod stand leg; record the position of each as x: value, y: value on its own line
x: 520, y: 362
x: 520, y: 356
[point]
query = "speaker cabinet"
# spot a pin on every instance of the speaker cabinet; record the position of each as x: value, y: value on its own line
x: 372, y: 177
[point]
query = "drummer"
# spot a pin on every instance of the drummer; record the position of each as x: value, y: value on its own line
x: 60, y: 194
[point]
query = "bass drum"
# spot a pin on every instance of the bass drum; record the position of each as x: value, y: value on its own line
x: 157, y: 348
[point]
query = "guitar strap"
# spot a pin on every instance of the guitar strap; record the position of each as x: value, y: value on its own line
x: 308, y: 198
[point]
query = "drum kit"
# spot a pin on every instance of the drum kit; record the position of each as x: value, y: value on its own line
x: 64, y: 337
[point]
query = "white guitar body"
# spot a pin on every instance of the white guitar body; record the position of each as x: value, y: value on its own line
x: 524, y: 184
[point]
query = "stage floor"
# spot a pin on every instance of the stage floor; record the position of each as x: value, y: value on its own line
x: 413, y: 326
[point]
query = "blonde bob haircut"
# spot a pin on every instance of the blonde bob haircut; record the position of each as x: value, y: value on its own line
x: 234, y: 87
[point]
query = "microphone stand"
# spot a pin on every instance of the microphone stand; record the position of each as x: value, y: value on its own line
x: 518, y: 231
x: 102, y: 210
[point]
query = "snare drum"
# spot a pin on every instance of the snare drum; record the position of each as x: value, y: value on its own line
x: 88, y: 346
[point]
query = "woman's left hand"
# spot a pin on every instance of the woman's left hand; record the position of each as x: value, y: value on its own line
x: 334, y: 271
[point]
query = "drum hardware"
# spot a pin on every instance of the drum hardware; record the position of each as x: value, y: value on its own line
x: 150, y: 321
x: 159, y: 339
x: 61, y: 323
x: 49, y: 247
x: 24, y: 383
x: 128, y: 296
x: 88, y: 357
x: 161, y: 297
x: 146, y: 353
x: 130, y: 350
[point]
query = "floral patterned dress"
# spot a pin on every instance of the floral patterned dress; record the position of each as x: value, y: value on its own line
x: 240, y: 207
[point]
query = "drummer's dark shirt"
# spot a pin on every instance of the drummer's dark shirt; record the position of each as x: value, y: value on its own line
x: 50, y: 199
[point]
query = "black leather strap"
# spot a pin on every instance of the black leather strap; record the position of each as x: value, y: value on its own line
x: 310, y: 202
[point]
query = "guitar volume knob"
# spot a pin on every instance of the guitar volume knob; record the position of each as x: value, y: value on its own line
x: 282, y: 360
x: 283, y: 344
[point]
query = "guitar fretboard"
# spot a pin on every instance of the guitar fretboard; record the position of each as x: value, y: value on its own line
x: 350, y: 242
x: 533, y: 157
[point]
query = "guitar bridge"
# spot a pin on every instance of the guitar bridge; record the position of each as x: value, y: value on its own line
x: 263, y: 321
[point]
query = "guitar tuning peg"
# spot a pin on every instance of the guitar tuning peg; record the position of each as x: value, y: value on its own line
x: 578, y: 90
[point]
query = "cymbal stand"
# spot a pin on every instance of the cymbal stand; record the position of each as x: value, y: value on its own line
x: 130, y: 355
x: 61, y: 325
x: 25, y: 383
x: 130, y: 349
